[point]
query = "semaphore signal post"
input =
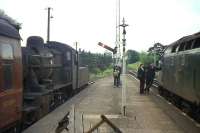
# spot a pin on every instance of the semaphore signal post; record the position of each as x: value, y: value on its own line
x: 123, y: 25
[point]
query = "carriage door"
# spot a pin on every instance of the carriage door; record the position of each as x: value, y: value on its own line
x: 9, y: 94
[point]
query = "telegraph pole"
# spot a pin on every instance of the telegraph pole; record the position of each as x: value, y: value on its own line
x: 48, y: 23
x: 124, y: 68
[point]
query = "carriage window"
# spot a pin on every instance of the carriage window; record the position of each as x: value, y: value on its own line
x: 196, y: 44
x: 6, y: 51
x: 68, y: 54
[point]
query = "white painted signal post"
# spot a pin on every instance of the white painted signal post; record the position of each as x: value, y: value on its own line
x: 123, y: 25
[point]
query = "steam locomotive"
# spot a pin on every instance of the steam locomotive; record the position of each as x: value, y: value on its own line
x: 34, y: 79
x: 180, y: 74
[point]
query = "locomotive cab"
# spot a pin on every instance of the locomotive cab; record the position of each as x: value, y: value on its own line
x: 10, y: 75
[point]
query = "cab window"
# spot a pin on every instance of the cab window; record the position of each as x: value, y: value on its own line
x: 196, y: 44
x: 7, y: 57
x: 174, y: 48
x: 188, y: 45
x: 181, y: 47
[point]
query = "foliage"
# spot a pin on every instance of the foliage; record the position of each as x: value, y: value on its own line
x: 133, y: 56
x: 146, y: 58
x: 101, y: 74
x: 96, y: 62
x: 134, y: 66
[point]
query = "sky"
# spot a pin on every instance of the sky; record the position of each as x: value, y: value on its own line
x: 91, y: 21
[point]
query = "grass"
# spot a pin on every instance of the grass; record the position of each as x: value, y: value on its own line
x: 109, y: 71
x: 134, y: 66
x: 101, y: 74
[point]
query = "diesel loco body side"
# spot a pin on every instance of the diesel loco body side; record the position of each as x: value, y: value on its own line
x: 180, y: 72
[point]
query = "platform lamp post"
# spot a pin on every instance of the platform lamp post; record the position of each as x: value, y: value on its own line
x: 48, y: 22
x: 123, y: 25
x: 77, y: 63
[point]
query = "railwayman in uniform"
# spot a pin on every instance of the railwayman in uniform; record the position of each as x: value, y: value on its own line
x: 141, y: 76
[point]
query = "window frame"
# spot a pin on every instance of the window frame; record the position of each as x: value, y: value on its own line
x: 3, y: 56
x: 7, y: 60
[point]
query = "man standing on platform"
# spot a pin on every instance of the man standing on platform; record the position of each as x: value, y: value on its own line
x: 119, y: 74
x: 141, y: 77
x: 150, y: 75
x: 116, y: 76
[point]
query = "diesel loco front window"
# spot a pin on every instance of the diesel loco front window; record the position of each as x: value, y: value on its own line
x: 7, y: 65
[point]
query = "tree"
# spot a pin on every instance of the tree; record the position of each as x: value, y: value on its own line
x: 96, y: 62
x: 133, y: 56
x: 157, y: 51
x: 146, y: 58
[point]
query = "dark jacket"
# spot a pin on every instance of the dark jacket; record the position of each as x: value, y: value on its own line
x: 141, y: 73
x: 150, y: 73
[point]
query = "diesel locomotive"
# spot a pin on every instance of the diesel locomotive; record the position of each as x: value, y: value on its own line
x: 34, y: 79
x: 179, y: 77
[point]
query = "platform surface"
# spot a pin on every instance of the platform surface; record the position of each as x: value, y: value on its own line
x: 144, y: 113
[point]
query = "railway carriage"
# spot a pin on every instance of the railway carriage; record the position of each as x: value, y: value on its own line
x: 10, y: 75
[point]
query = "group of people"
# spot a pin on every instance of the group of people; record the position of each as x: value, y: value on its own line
x: 116, y: 75
x: 146, y: 76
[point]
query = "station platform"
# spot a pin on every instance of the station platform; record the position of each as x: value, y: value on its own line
x: 144, y: 113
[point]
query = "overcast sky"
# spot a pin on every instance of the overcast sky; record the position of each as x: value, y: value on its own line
x: 91, y: 21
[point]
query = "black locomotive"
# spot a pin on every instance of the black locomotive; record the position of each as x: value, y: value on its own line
x: 34, y: 79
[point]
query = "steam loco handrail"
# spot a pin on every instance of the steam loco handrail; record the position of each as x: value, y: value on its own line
x: 49, y: 65
x: 41, y: 56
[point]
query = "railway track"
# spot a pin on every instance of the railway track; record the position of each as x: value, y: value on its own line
x: 182, y: 107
